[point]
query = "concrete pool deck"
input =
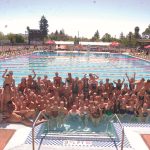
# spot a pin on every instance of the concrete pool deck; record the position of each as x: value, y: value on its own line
x: 17, y: 142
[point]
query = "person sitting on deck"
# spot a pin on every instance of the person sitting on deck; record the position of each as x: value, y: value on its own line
x: 23, y: 116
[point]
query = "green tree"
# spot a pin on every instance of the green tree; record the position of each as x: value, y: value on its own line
x: 146, y: 33
x: 44, y: 26
x: 19, y: 38
x: 136, y: 32
x: 28, y: 30
x: 76, y: 41
x: 121, y: 36
x: 2, y: 37
x: 62, y: 32
x: 106, y: 38
x: 96, y: 36
x: 131, y: 40
x: 11, y: 37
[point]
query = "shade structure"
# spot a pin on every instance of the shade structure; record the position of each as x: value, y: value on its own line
x: 147, y: 47
x: 50, y: 42
x: 115, y: 44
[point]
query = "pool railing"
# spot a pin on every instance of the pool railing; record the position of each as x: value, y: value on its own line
x: 121, y: 126
x: 33, y: 127
x: 43, y: 115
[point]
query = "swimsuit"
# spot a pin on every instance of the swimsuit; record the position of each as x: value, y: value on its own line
x: 75, y: 88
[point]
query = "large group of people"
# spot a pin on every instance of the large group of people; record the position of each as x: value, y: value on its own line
x: 86, y: 99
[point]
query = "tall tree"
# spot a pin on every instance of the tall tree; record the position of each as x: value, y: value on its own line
x: 62, y: 32
x: 44, y: 26
x: 19, y: 38
x: 121, y: 36
x: 1, y: 36
x: 131, y: 40
x: 11, y: 37
x: 76, y: 41
x: 96, y: 36
x: 28, y: 30
x: 146, y: 33
x: 106, y: 38
x: 136, y: 32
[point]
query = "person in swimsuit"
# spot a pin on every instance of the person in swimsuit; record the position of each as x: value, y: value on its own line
x: 131, y: 81
x: 22, y: 85
x: 54, y: 114
x: 95, y: 115
x: 62, y: 111
x: 30, y: 80
x: 12, y: 116
x: 93, y: 82
x: 144, y: 113
x: 74, y: 114
x: 119, y: 84
x: 147, y: 87
x: 109, y: 109
x: 131, y: 111
x: 69, y: 80
x: 75, y: 88
x: 57, y: 80
x: 85, y: 88
x: 140, y: 84
x: 84, y: 115
x: 8, y: 78
x: 6, y: 97
x: 141, y: 96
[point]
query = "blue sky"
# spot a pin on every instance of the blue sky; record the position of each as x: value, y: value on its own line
x: 85, y: 16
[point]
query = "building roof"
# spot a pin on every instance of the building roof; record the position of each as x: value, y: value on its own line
x: 144, y: 40
x: 83, y: 43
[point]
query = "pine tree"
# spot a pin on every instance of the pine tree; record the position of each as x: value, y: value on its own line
x: 44, y: 26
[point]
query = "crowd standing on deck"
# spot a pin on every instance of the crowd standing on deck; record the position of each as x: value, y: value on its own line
x: 82, y: 99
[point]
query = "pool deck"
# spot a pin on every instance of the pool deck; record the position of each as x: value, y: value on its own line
x: 17, y: 142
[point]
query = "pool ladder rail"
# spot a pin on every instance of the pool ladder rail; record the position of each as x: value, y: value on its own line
x: 42, y: 114
x: 121, y: 126
x: 33, y: 127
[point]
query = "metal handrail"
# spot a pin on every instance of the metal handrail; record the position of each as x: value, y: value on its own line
x: 33, y: 126
x: 122, y: 128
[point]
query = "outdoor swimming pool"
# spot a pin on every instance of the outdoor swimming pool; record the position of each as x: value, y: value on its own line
x: 105, y: 65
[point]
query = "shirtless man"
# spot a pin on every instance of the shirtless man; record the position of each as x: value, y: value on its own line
x: 62, y: 114
x: 84, y: 114
x: 30, y: 80
x: 147, y: 87
x: 74, y: 113
x: 139, y: 84
x: 8, y: 78
x: 95, y: 115
x: 54, y: 114
x: 17, y: 117
x: 7, y: 95
x: 131, y: 81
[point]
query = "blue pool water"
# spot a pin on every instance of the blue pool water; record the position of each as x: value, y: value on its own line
x: 105, y: 65
x: 76, y: 128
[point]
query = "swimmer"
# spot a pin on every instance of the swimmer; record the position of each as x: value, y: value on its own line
x: 8, y: 78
